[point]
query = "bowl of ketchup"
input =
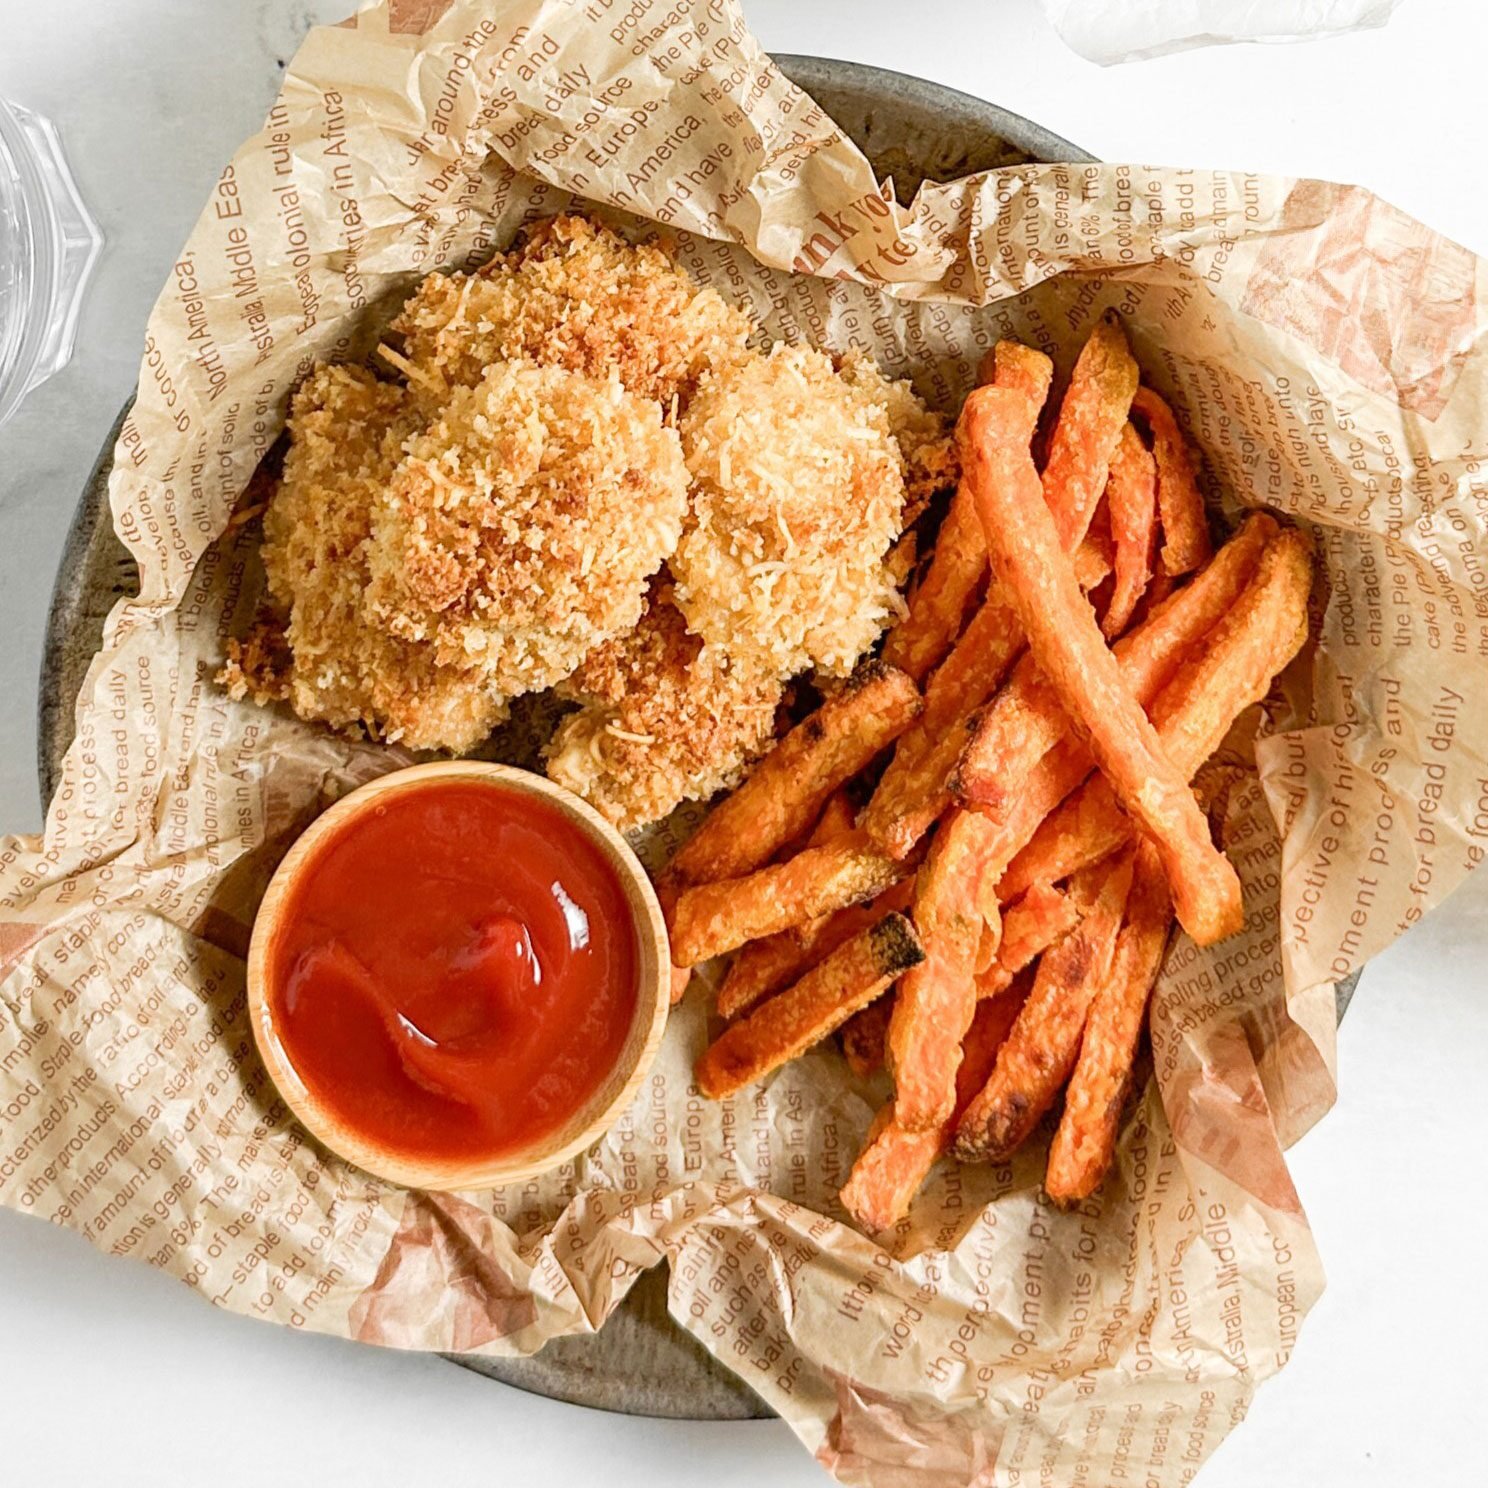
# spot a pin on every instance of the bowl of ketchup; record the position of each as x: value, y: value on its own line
x: 458, y: 976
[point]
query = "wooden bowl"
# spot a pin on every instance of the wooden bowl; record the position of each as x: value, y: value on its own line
x: 596, y: 1115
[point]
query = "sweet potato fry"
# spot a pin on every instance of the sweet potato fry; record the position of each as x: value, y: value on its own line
x: 1026, y: 719
x: 1024, y: 546
x: 712, y: 918
x: 1023, y: 369
x: 1179, y: 500
x: 1086, y: 1138
x: 1042, y: 1047
x: 1192, y: 714
x: 1088, y: 428
x: 895, y: 1161
x: 825, y: 998
x: 937, y: 999
x: 765, y: 966
x: 958, y: 567
x: 681, y: 976
x: 890, y: 1170
x: 786, y: 791
x: 1030, y: 926
x: 865, y: 1036
x: 836, y: 820
x: 1131, y: 495
x: 1093, y: 560
x: 916, y: 789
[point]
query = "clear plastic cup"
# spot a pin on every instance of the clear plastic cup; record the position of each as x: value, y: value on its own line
x: 48, y: 245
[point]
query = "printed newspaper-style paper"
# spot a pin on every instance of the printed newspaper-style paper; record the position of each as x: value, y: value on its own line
x: 1325, y: 353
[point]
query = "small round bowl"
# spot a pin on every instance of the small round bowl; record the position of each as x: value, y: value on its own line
x: 591, y: 1120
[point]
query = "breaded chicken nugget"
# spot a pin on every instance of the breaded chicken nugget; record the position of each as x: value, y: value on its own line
x: 574, y: 295
x: 664, y: 720
x: 523, y: 523
x: 927, y: 443
x: 348, y: 430
x: 798, y: 494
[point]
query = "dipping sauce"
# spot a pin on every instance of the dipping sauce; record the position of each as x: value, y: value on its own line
x: 455, y: 971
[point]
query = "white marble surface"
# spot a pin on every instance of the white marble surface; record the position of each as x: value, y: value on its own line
x: 112, y: 1373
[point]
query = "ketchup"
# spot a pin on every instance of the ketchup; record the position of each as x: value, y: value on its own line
x: 455, y: 971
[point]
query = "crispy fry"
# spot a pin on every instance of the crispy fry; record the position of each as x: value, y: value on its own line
x: 1042, y: 1047
x: 1023, y: 369
x: 890, y: 1170
x: 1086, y: 1139
x: 913, y: 791
x: 1131, y: 495
x: 937, y: 999
x: 895, y: 1161
x: 1026, y: 720
x: 1090, y: 422
x: 825, y: 998
x: 1030, y: 926
x: 760, y: 968
x: 712, y: 918
x: 681, y: 976
x: 765, y: 966
x: 1192, y: 714
x: 865, y: 1035
x: 1093, y: 560
x: 789, y: 786
x: 835, y: 821
x: 1179, y: 500
x: 917, y: 787
x: 1024, y: 546
x: 958, y: 566
x: 936, y: 610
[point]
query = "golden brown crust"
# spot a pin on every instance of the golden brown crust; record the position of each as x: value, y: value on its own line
x: 787, y: 789
x: 798, y: 497
x: 347, y: 433
x: 825, y: 998
x: 443, y: 543
x: 574, y: 295
x: 712, y: 918
x: 663, y: 720
x: 522, y: 524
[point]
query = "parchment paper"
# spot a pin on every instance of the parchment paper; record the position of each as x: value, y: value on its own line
x: 1325, y: 353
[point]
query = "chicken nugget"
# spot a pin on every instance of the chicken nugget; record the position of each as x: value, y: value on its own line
x: 318, y: 652
x: 664, y: 720
x: 798, y: 495
x: 522, y: 525
x: 574, y: 295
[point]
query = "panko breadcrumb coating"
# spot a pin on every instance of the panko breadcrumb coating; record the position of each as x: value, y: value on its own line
x: 580, y: 425
x: 927, y: 444
x: 523, y: 523
x: 347, y: 432
x: 574, y: 295
x: 798, y: 494
x: 664, y: 720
